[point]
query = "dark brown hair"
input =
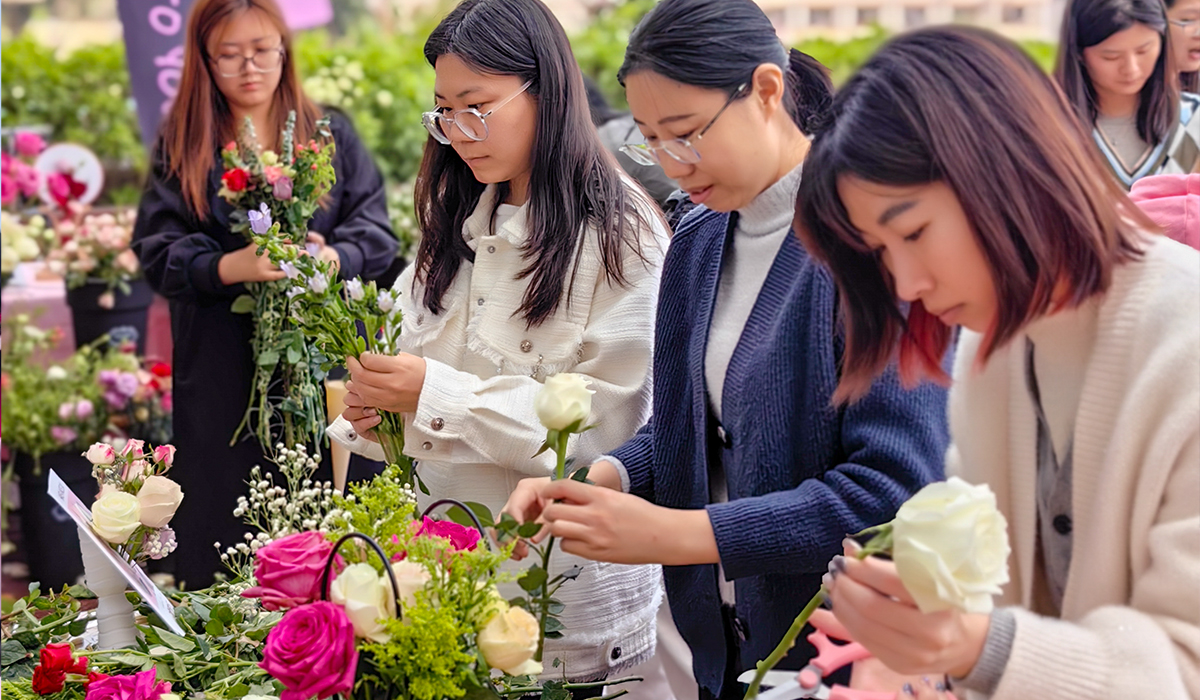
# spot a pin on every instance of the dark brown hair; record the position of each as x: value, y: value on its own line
x: 200, y: 120
x: 573, y: 184
x: 968, y: 108
x: 1089, y: 22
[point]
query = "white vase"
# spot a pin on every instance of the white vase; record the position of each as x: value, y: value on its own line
x: 114, y: 613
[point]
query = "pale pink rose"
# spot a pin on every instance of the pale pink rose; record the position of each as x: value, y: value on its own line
x: 66, y: 410
x: 27, y: 177
x: 100, y: 453
x: 84, y: 408
x: 106, y: 300
x: 165, y: 455
x: 137, y: 469
x: 272, y: 173
x: 128, y: 260
x: 159, y: 498
x: 133, y: 448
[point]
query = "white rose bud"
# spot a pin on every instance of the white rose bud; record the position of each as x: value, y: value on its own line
x: 367, y: 598
x: 100, y: 453
x: 410, y: 578
x: 115, y: 515
x: 56, y: 373
x: 563, y: 400
x: 950, y: 545
x: 159, y: 498
x: 509, y: 641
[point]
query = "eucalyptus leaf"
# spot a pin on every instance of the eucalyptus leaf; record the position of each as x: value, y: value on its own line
x: 175, y: 641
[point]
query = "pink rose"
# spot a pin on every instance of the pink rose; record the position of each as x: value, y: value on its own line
x: 29, y: 144
x: 288, y: 570
x: 63, y: 435
x: 272, y: 173
x: 128, y: 260
x: 283, y: 188
x: 133, y: 448
x: 27, y: 178
x: 165, y: 455
x: 84, y: 408
x: 460, y: 536
x: 311, y: 652
x: 139, y: 686
x: 8, y: 190
x: 66, y: 410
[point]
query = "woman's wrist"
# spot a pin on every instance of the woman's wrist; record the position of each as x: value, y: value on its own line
x: 604, y: 473
x: 226, y: 269
x: 691, y: 535
x: 975, y: 632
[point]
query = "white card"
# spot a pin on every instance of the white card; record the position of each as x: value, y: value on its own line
x: 82, y: 515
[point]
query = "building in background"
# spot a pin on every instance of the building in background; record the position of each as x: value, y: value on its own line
x: 840, y: 19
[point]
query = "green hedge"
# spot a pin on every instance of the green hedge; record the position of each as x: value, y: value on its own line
x: 383, y: 82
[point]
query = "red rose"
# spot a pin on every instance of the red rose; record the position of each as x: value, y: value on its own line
x: 47, y: 681
x: 60, y: 658
x: 160, y: 369
x: 94, y: 676
x: 236, y: 180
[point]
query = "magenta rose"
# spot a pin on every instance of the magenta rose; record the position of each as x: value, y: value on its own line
x: 288, y: 570
x: 311, y: 652
x: 29, y: 144
x: 139, y: 686
x: 461, y: 537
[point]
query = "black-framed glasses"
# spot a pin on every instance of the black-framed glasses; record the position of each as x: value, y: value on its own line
x: 261, y: 61
x: 470, y: 121
x: 681, y: 150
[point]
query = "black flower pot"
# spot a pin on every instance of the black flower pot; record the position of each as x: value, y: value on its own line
x: 129, y: 311
x: 48, y: 535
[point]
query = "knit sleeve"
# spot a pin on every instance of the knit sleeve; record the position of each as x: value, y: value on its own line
x: 892, y: 442
x: 634, y: 460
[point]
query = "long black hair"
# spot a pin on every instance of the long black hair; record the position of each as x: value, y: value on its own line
x: 1188, y: 82
x: 573, y: 182
x: 718, y: 44
x: 1089, y: 22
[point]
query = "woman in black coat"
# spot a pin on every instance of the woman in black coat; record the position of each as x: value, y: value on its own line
x: 237, y: 65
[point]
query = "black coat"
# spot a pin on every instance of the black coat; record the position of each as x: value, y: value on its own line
x: 213, y: 366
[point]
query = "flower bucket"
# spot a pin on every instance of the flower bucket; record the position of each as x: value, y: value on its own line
x: 92, y: 320
x: 48, y: 534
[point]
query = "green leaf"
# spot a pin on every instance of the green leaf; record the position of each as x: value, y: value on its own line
x: 529, y: 529
x: 553, y: 625
x: 125, y: 659
x: 244, y: 304
x: 223, y: 613
x: 268, y: 358
x: 240, y: 690
x: 161, y: 652
x: 294, y: 356
x: 555, y: 607
x: 481, y: 511
x: 554, y: 635
x: 532, y: 579
x: 77, y: 627
x: 179, y: 666
x: 214, y: 628
x: 202, y: 610
x: 175, y: 641
x: 11, y: 652
x: 80, y: 592
x: 580, y: 474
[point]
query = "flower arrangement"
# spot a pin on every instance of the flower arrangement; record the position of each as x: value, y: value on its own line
x: 950, y: 545
x: 136, y: 501
x: 95, y: 248
x: 22, y: 241
x: 287, y: 187
x: 19, y: 180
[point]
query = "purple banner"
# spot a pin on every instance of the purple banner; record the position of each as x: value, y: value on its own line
x: 154, y: 32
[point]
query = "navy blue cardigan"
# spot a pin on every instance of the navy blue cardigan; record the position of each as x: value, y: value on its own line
x: 802, y: 473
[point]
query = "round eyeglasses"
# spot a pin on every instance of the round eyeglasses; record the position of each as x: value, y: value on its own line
x: 261, y: 61
x: 681, y: 150
x: 1189, y: 26
x: 470, y: 122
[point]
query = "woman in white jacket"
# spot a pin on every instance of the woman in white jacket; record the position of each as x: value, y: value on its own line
x: 954, y: 179
x: 537, y: 257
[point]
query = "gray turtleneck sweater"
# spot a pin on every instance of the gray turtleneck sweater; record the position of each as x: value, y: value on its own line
x: 762, y: 226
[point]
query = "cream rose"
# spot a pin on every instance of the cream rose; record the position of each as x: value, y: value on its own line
x: 115, y: 515
x: 563, y: 400
x: 100, y: 453
x: 950, y: 545
x: 410, y: 578
x: 509, y: 641
x: 367, y: 599
x: 159, y: 498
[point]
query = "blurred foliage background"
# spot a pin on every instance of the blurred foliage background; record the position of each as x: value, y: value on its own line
x: 376, y: 74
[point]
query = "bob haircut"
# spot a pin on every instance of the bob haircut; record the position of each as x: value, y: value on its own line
x: 200, y: 118
x: 968, y: 108
x: 574, y: 182
x: 1089, y: 22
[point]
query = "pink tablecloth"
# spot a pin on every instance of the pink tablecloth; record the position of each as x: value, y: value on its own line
x: 26, y: 295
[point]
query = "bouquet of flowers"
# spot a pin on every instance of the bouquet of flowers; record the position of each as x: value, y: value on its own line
x: 287, y: 186
x: 136, y: 500
x: 328, y: 311
x: 19, y: 180
x: 22, y: 241
x: 95, y: 248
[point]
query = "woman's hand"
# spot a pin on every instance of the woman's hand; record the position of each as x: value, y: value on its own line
x: 387, y: 382
x: 361, y: 417
x: 245, y: 265
x: 872, y: 604
x: 603, y: 524
x: 527, y: 500
x: 871, y: 674
x: 323, y: 252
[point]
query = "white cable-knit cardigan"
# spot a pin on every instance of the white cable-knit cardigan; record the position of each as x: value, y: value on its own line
x: 1130, y: 621
x: 475, y: 431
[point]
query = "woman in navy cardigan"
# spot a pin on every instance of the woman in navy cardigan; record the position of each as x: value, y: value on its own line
x: 748, y: 477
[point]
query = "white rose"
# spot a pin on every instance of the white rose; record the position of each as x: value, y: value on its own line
x: 410, y: 578
x: 158, y: 498
x: 563, y: 400
x: 115, y: 515
x: 56, y: 373
x: 509, y: 641
x: 100, y: 453
x: 367, y: 598
x: 950, y: 545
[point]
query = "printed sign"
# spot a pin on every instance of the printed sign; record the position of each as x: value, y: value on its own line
x: 82, y: 515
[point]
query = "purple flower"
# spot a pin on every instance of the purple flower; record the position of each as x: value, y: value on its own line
x: 115, y: 399
x: 84, y: 408
x: 66, y: 410
x: 295, y: 292
x: 160, y: 543
x: 62, y: 435
x: 127, y: 383
x: 260, y: 221
x: 283, y: 188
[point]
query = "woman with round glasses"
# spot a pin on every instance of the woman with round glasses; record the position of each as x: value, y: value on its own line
x: 537, y: 256
x: 748, y: 477
x: 236, y: 65
x: 1184, y: 16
